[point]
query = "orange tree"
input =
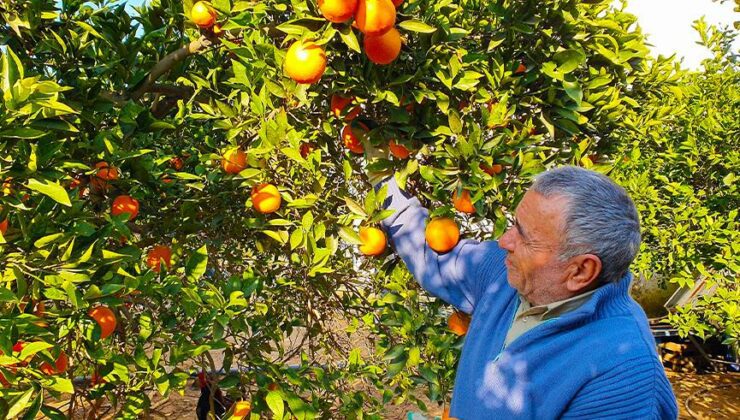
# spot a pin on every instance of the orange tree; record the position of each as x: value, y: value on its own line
x: 174, y: 201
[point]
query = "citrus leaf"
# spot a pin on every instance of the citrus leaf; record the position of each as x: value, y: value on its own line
x: 197, y: 263
x: 417, y: 26
x: 55, y: 191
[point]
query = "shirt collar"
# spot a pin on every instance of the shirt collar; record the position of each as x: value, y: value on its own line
x: 554, y: 309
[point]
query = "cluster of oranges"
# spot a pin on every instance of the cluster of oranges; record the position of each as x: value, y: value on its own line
x: 102, y: 315
x: 305, y: 61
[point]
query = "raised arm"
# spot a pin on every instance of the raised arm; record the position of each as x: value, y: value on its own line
x: 458, y: 277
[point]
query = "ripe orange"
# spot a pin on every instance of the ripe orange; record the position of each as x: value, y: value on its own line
x: 234, y: 161
x: 266, y: 198
x: 306, y: 149
x: 305, y: 62
x: 442, y: 234
x: 521, y: 68
x: 373, y: 241
x: 351, y: 137
x: 397, y: 3
x: 338, y: 103
x: 60, y: 365
x: 105, y: 318
x: 492, y: 170
x: 159, y: 253
x: 383, y: 49
x: 177, y: 163
x: 125, y: 204
x: 241, y: 410
x: 398, y: 151
x: 203, y: 15
x: 106, y: 172
x: 4, y: 226
x: 338, y: 11
x: 375, y: 17
x: 462, y: 202
x: 458, y: 323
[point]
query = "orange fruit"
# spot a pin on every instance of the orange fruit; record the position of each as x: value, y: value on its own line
x: 375, y: 17
x: 521, y: 68
x: 462, y: 202
x: 306, y: 149
x: 241, y: 409
x: 458, y: 323
x: 398, y: 151
x: 442, y: 234
x: 273, y: 386
x: 125, y: 204
x: 105, y: 318
x: 4, y: 226
x: 60, y: 365
x: 305, y: 62
x: 266, y: 198
x: 351, y: 137
x: 337, y: 11
x: 338, y: 103
x: 383, y: 49
x: 234, y: 161
x: 397, y: 3
x: 373, y: 241
x: 159, y: 253
x: 106, y: 172
x: 492, y: 170
x: 177, y: 163
x: 203, y: 15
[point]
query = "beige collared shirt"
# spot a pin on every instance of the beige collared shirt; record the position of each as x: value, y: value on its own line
x: 528, y: 316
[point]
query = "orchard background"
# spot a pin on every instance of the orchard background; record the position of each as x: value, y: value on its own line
x: 100, y: 103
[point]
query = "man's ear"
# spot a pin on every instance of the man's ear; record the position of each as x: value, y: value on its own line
x: 583, y: 272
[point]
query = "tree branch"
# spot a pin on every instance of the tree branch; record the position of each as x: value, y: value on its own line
x: 163, y: 66
x: 169, y: 61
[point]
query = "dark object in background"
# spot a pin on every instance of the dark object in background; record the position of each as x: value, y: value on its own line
x: 211, y: 401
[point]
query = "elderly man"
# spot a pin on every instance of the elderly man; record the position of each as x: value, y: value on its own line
x: 554, y: 331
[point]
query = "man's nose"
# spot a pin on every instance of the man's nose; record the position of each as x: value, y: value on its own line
x: 506, y: 241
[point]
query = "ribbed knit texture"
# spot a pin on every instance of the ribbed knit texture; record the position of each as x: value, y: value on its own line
x: 598, y: 361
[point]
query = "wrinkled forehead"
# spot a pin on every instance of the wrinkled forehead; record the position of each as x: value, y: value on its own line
x: 543, y: 216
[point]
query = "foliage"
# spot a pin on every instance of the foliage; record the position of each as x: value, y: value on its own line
x: 681, y: 160
x: 284, y: 298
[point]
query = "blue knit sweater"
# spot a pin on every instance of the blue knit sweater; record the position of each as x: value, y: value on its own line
x: 598, y: 361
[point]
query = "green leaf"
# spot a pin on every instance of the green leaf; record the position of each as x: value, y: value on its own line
x: 46, y: 240
x: 275, y: 402
x: 196, y: 265
x: 51, y: 189
x: 89, y: 29
x: 417, y: 26
x: 349, y: 235
x: 354, y: 207
x: 569, y: 60
x: 6, y: 295
x: 59, y: 384
x: 20, y: 404
x: 32, y: 348
x: 349, y: 38
x: 12, y: 70
x: 23, y: 133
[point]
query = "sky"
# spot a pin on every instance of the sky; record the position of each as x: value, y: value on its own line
x: 668, y: 25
